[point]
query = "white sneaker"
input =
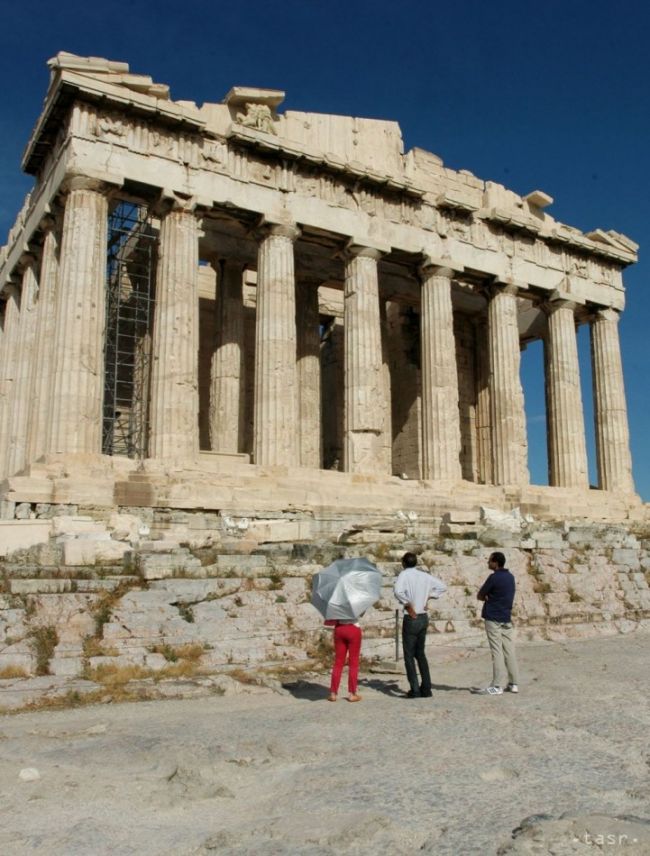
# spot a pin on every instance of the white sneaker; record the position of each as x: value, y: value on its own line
x: 487, y: 690
x: 512, y: 688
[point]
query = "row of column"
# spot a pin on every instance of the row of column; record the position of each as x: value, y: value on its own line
x: 51, y: 361
x: 51, y: 356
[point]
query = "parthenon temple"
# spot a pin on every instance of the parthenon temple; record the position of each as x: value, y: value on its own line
x: 237, y: 308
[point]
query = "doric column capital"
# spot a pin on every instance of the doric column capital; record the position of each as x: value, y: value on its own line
x: 11, y: 290
x: 498, y: 286
x: 437, y: 266
x: 169, y: 202
x: 26, y: 260
x: 429, y: 270
x: 354, y: 250
x: 84, y: 182
x: 552, y: 305
x: 268, y: 228
x: 606, y: 313
x: 47, y: 222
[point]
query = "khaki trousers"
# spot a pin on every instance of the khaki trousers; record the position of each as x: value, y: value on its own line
x: 502, y: 647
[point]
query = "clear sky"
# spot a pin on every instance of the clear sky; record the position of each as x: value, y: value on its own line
x: 551, y: 95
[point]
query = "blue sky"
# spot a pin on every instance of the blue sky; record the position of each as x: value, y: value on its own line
x: 550, y: 96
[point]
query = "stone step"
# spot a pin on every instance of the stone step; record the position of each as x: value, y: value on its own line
x: 59, y: 571
x: 62, y: 585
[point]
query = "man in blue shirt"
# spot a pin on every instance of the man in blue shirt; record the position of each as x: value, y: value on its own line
x: 497, y: 594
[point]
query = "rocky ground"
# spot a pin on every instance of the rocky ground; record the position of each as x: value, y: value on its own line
x: 285, y: 772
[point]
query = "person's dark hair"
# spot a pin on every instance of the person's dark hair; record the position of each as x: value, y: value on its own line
x: 409, y: 560
x: 499, y: 558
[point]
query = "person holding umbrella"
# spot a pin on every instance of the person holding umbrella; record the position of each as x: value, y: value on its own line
x: 342, y: 593
x: 347, y: 645
x: 413, y: 588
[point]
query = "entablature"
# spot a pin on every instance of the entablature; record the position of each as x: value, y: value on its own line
x: 100, y: 120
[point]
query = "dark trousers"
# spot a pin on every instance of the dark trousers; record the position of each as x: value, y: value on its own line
x: 414, y: 636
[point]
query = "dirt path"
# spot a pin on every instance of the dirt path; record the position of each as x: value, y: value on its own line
x: 293, y: 774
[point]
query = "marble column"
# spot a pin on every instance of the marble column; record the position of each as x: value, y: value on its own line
x: 387, y: 429
x: 227, y: 373
x: 40, y: 405
x: 21, y: 393
x: 10, y: 336
x: 610, y: 409
x: 309, y: 382
x: 507, y: 416
x: 483, y: 429
x: 174, y: 408
x: 80, y: 322
x: 567, y: 449
x: 275, y: 429
x: 440, y: 414
x: 365, y: 387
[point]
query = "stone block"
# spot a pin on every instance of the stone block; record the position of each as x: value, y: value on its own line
x: 7, y: 509
x: 499, y: 538
x: 155, y: 661
x: 493, y: 518
x: 628, y: 557
x: 163, y: 565
x: 16, y: 659
x: 280, y: 530
x: 77, y: 553
x: 548, y: 540
x: 23, y: 511
x: 76, y: 526
x: 40, y: 586
x: 111, y: 551
x: 22, y: 534
x: 68, y: 667
x: 242, y: 565
x: 127, y: 527
x: 69, y: 612
x: 460, y: 517
x: 457, y: 530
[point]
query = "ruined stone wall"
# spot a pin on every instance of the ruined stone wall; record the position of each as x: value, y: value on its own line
x: 137, y: 587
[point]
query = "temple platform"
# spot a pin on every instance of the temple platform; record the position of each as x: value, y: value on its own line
x: 326, y: 501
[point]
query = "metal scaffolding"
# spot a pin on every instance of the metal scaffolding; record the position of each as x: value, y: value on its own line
x: 129, y: 318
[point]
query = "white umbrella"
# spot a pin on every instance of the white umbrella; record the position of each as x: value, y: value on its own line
x: 346, y: 588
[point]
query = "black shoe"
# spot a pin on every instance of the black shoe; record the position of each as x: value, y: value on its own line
x: 411, y: 694
x: 424, y: 694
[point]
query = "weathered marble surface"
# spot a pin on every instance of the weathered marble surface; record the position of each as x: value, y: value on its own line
x: 180, y: 777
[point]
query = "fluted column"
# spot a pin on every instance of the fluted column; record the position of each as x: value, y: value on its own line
x: 507, y: 416
x: 174, y: 409
x: 483, y: 430
x: 567, y: 449
x: 227, y: 373
x: 80, y: 322
x: 365, y: 388
x: 387, y: 428
x: 309, y: 385
x: 440, y: 414
x: 10, y: 335
x: 610, y: 409
x: 275, y: 430
x: 21, y: 392
x: 40, y: 405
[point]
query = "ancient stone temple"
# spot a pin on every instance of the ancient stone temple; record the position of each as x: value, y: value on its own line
x: 250, y: 311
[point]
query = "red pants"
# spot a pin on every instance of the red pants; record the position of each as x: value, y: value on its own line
x: 347, y: 642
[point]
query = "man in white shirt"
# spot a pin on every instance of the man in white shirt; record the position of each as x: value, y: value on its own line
x: 413, y: 588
